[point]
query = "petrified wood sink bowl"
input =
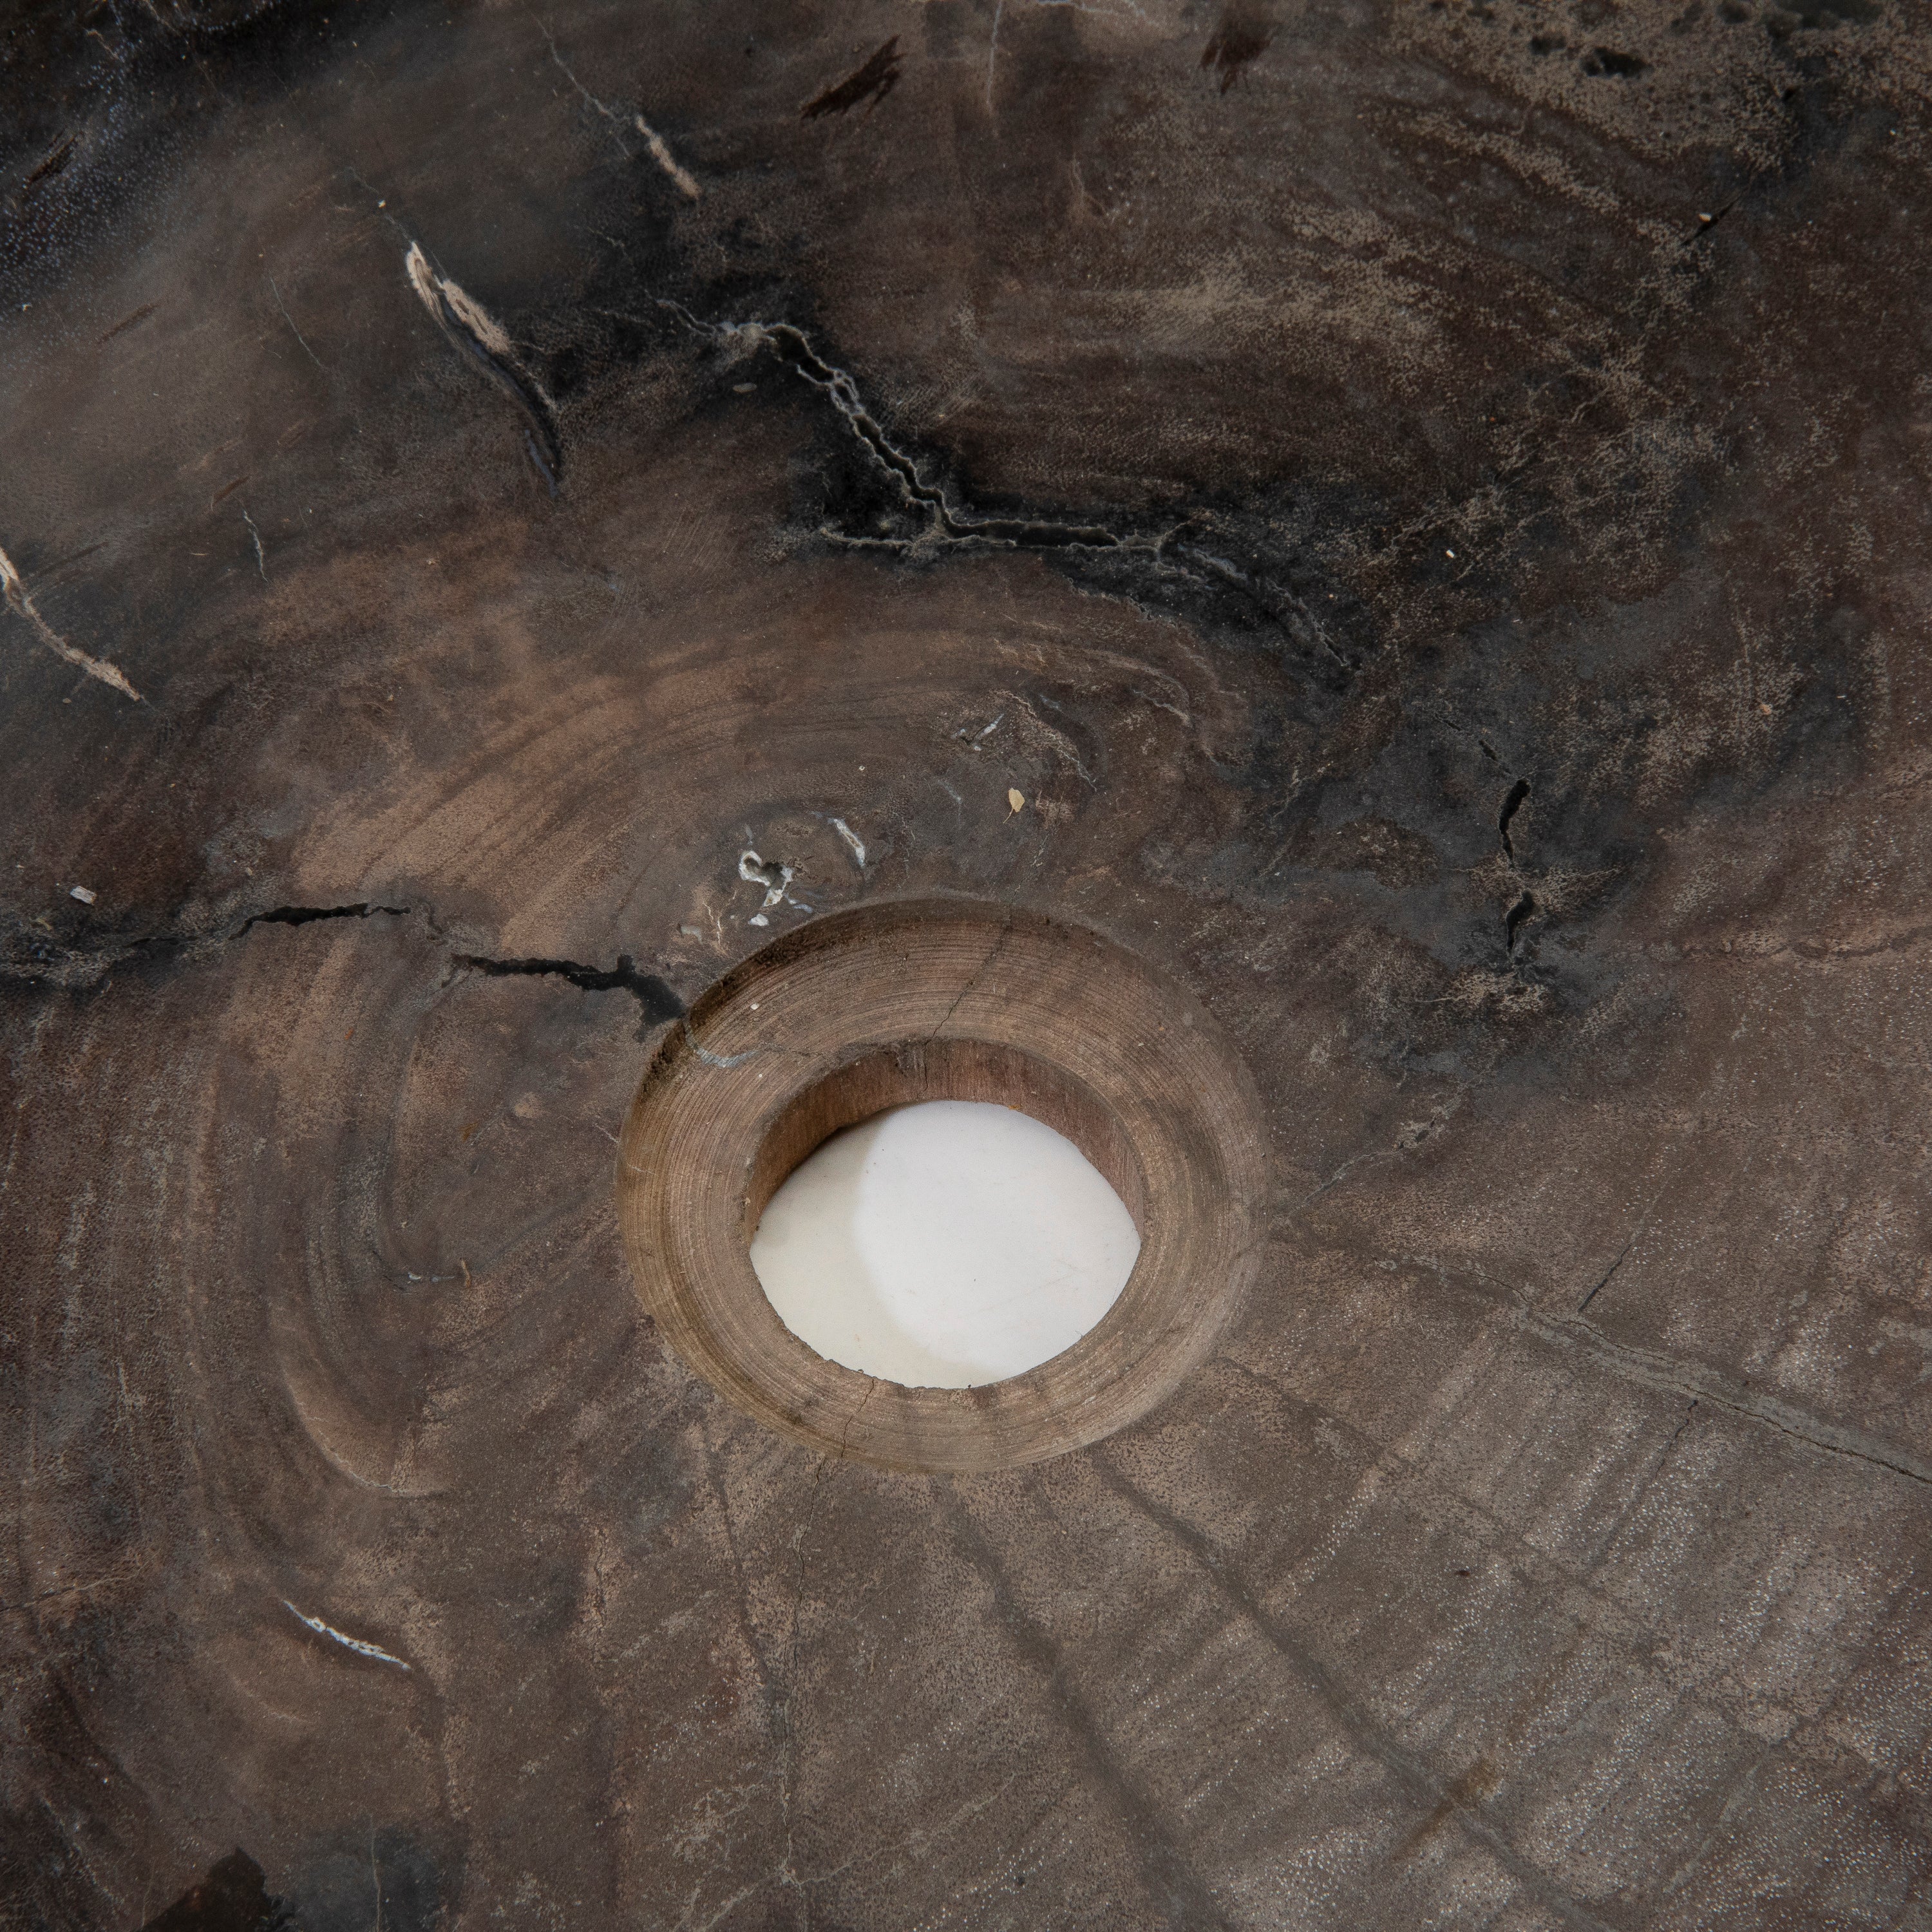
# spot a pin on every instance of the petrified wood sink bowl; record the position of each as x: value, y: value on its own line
x: 1332, y: 598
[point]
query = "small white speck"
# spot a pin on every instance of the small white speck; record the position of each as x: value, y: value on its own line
x: 757, y: 919
x: 354, y: 1643
x: 854, y: 843
x: 81, y: 893
x: 1448, y: 552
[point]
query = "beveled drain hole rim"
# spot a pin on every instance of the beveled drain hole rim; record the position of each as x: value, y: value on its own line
x: 992, y: 1002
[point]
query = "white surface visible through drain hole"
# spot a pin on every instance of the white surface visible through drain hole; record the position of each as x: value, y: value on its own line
x: 944, y: 1245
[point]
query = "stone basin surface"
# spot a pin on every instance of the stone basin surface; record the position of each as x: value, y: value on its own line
x: 510, y: 510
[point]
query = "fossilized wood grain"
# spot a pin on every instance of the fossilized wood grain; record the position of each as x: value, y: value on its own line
x: 1425, y: 504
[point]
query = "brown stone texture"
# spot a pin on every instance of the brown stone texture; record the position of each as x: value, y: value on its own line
x: 1425, y: 503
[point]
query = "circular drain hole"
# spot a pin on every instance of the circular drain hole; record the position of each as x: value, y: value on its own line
x: 944, y: 1245
x: 888, y: 1007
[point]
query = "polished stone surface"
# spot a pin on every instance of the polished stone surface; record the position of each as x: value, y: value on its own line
x: 1424, y: 505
